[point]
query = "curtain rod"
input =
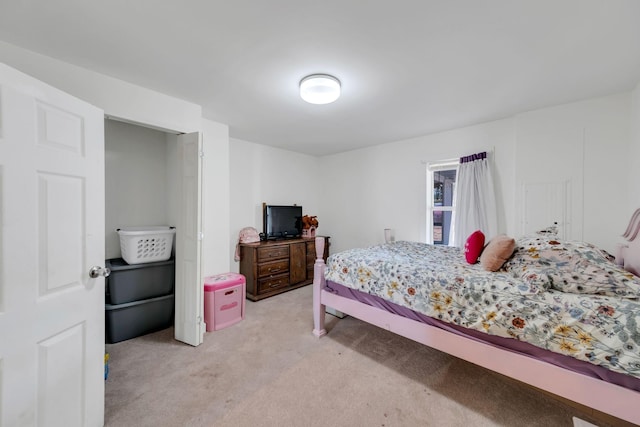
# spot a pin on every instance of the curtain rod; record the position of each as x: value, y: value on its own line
x: 456, y: 158
x: 473, y: 157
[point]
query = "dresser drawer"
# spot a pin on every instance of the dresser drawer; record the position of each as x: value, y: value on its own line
x: 275, y: 252
x: 311, y: 252
x: 272, y: 268
x: 273, y: 283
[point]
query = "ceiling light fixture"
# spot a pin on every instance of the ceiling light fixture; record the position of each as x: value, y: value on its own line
x: 320, y: 89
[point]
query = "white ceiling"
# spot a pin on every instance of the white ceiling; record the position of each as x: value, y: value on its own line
x: 408, y: 68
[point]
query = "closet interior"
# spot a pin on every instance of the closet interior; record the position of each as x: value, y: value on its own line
x: 141, y: 191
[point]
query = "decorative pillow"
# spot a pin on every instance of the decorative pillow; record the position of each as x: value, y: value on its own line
x: 575, y: 267
x: 473, y: 246
x: 497, y: 252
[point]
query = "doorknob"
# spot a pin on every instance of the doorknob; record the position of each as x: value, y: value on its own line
x: 97, y: 271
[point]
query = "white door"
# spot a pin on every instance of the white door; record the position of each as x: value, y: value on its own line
x: 189, y: 319
x: 52, y: 222
x: 546, y: 204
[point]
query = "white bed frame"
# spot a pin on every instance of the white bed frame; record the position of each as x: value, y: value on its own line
x: 599, y: 395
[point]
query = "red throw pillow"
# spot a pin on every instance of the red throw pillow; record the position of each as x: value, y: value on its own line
x: 473, y: 246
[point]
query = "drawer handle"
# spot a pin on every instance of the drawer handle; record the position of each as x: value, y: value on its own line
x: 274, y: 270
x: 230, y: 292
x: 273, y: 285
x: 229, y: 306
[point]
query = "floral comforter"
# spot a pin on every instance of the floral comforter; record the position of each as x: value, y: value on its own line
x: 566, y: 297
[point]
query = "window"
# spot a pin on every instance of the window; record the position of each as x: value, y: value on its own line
x: 441, y: 185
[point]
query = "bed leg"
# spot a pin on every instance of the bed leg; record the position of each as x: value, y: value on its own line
x: 318, y: 286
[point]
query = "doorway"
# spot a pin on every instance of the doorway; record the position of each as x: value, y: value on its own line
x: 153, y: 177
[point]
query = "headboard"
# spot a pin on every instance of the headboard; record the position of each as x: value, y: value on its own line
x: 628, y: 254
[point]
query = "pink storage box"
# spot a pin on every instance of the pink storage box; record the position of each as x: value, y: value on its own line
x: 224, y: 298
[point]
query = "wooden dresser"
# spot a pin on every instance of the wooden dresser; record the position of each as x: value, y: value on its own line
x: 273, y: 267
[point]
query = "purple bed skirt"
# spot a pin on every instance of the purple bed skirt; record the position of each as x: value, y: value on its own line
x: 516, y: 346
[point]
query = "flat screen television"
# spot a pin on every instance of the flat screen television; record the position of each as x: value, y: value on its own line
x: 282, y: 222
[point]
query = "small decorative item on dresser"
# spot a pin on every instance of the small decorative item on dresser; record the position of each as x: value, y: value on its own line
x: 309, y: 226
x: 246, y: 235
x: 389, y: 235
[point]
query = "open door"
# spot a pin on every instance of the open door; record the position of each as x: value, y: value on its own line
x: 189, y: 318
x: 52, y: 223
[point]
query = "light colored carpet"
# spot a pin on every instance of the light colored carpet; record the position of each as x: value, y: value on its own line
x: 269, y: 370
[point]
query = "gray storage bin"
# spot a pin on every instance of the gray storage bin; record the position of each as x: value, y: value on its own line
x: 134, y: 282
x: 133, y: 319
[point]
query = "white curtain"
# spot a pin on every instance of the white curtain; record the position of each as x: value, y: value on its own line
x: 475, y: 200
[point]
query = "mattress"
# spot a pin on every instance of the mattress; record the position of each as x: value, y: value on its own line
x: 509, y: 344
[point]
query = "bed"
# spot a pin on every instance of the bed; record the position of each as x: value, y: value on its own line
x: 561, y: 316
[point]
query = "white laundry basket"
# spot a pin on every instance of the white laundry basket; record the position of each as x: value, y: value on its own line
x: 146, y: 244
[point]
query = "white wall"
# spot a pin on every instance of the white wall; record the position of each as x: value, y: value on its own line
x: 361, y: 192
x: 586, y: 143
x: 116, y: 97
x: 367, y: 190
x: 135, y: 180
x: 634, y: 154
x: 217, y: 256
x: 271, y: 175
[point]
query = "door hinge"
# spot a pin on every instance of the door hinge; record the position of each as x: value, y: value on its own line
x: 202, y: 327
x: 201, y: 236
x: 201, y: 154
